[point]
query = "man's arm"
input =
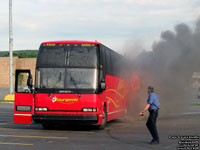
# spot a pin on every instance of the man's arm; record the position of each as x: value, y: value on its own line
x: 145, y: 109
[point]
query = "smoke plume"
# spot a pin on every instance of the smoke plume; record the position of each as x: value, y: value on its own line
x: 169, y: 67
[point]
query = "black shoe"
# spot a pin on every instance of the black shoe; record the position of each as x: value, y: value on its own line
x: 154, y: 142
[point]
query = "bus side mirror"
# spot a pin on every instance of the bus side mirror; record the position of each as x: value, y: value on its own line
x: 30, y: 81
x: 103, y: 85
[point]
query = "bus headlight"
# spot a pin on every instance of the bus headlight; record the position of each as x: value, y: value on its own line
x: 89, y: 109
x: 41, y: 109
x: 23, y: 108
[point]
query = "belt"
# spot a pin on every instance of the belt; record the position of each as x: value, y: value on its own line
x: 153, y: 110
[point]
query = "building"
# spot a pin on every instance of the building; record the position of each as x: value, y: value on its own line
x: 18, y: 63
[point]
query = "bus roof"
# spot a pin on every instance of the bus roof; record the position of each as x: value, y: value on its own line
x: 72, y: 42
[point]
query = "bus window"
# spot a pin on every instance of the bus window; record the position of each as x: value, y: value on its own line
x: 108, y: 62
x: 22, y: 86
x: 51, y: 56
x: 83, y: 56
x: 81, y: 78
x: 51, y: 78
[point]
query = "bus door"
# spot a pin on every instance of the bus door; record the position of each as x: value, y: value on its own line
x: 23, y: 107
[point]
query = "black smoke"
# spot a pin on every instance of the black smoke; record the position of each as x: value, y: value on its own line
x: 170, y: 65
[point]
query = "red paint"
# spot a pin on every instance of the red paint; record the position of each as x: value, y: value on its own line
x: 23, y: 119
x: 116, y: 95
x: 24, y: 99
x: 114, y: 98
x: 72, y: 42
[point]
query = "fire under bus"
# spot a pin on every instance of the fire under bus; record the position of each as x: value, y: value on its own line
x: 78, y: 82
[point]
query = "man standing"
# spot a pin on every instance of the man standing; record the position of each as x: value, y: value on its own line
x: 152, y: 105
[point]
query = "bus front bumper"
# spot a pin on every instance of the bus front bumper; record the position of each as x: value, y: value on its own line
x: 66, y: 119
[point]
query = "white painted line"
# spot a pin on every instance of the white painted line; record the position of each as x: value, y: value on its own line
x: 26, y: 136
x: 191, y: 113
x: 16, y: 144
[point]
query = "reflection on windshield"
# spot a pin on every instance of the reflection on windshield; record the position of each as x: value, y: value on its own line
x: 67, y: 78
x: 52, y: 78
x: 59, y: 56
x: 81, y: 78
x: 52, y: 57
x: 83, y: 57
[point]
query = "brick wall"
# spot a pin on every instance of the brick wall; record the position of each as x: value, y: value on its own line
x: 18, y: 63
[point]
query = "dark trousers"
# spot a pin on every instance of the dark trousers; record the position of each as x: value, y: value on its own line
x: 151, y: 124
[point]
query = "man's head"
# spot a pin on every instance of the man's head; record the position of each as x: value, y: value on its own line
x: 150, y: 89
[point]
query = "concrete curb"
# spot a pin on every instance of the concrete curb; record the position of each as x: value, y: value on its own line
x: 10, y: 97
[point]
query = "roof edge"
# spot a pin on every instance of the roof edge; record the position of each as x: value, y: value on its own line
x: 72, y: 42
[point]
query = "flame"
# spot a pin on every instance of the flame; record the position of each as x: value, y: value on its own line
x: 135, y: 82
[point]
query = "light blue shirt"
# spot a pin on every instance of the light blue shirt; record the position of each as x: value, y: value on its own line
x: 153, y: 101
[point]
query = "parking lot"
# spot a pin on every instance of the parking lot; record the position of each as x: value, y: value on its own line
x: 125, y: 133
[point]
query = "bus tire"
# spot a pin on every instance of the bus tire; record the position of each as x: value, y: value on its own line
x: 104, y: 122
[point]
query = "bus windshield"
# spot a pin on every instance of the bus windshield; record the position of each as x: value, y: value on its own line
x: 67, y: 78
x: 67, y: 67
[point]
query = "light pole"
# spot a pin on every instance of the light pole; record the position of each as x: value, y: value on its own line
x: 10, y: 47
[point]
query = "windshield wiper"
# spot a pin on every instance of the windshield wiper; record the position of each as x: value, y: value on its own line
x: 72, y: 79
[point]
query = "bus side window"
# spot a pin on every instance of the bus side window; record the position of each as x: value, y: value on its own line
x: 108, y: 62
x: 22, y: 86
x: 103, y: 62
x: 115, y: 66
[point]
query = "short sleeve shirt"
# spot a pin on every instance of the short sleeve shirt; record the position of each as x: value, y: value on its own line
x: 153, y: 101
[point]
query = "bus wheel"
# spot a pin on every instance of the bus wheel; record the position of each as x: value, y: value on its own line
x: 104, y: 122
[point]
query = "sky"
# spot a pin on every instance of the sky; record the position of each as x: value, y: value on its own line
x: 118, y: 24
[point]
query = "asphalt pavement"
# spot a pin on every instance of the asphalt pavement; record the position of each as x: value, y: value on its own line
x: 122, y: 134
x: 3, y: 92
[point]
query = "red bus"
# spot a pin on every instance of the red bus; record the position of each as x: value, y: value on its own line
x: 79, y: 82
